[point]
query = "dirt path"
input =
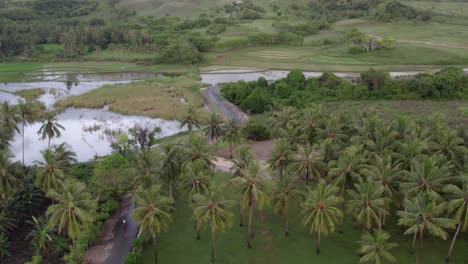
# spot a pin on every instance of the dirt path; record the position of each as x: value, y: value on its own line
x: 444, y: 45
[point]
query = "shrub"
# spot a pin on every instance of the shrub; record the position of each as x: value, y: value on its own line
x: 216, y: 29
x: 356, y: 50
x: 256, y: 132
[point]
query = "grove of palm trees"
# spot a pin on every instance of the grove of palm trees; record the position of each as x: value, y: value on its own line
x: 336, y: 187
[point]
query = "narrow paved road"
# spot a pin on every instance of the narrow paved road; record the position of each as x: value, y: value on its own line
x: 229, y: 110
x: 123, y: 238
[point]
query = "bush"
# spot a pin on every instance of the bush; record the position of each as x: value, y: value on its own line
x: 216, y: 29
x: 256, y: 132
x: 356, y: 50
x: 35, y: 260
x: 233, y: 43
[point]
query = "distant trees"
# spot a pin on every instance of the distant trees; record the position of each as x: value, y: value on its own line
x: 361, y: 43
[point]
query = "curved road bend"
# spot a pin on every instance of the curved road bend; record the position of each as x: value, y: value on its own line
x: 229, y: 110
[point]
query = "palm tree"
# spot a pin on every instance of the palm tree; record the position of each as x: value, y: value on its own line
x: 4, y: 246
x: 215, y: 127
x: 283, y: 118
x: 40, y: 234
x: 367, y: 204
x: 310, y: 122
x: 153, y: 213
x: 333, y: 129
x: 410, y: 150
x: 170, y: 163
x: 253, y: 188
x: 280, y: 156
x: 74, y: 209
x: 211, y: 210
x: 64, y: 155
x: 9, y: 118
x: 320, y: 210
x: 232, y: 135
x: 307, y: 161
x: 50, y: 128
x: 197, y: 148
x: 425, y: 176
x: 348, y: 166
x: 421, y: 214
x: 374, y: 248
x: 195, y: 180
x: 7, y: 222
x: 386, y: 173
x: 459, y: 205
x: 50, y: 172
x: 26, y: 114
x: 285, y: 193
x: 8, y: 175
x: 450, y: 145
x: 242, y: 162
x: 191, y: 119
x: 146, y: 167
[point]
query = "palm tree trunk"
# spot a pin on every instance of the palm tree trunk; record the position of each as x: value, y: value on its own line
x: 230, y: 151
x: 198, y: 229
x: 453, y: 241
x: 421, y: 236
x: 249, y: 238
x: 281, y: 173
x: 212, y: 244
x: 241, y: 214
x: 318, y: 241
x: 48, y: 146
x: 170, y: 187
x: 23, y: 142
x: 286, y: 224
x: 307, y: 174
x: 75, y: 255
x: 155, y: 249
x: 414, y: 242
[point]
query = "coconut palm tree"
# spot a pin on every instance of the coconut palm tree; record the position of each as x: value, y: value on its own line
x: 281, y: 119
x: 367, y: 203
x: 170, y: 163
x: 307, y: 162
x: 285, y: 193
x: 403, y: 126
x: 4, y: 246
x: 333, y: 129
x: 232, y: 135
x: 40, y: 234
x: 214, y: 130
x: 197, y: 148
x: 211, y: 209
x: 7, y: 222
x: 153, y: 213
x: 425, y: 176
x: 410, y: 150
x: 320, y: 210
x: 375, y: 248
x: 146, y: 168
x: 74, y: 208
x: 50, y: 173
x: 310, y: 122
x: 192, y: 118
x: 280, y: 156
x: 348, y: 166
x: 458, y: 204
x: 8, y: 175
x: 9, y: 118
x: 50, y: 128
x: 26, y: 113
x: 64, y: 155
x: 253, y: 188
x: 422, y: 215
x: 451, y: 146
x: 195, y: 179
x: 387, y: 174
x: 242, y: 161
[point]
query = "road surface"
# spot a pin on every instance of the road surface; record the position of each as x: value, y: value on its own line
x: 229, y: 110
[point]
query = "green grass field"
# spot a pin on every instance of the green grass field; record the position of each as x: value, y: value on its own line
x: 336, y: 58
x: 446, y: 8
x: 270, y: 245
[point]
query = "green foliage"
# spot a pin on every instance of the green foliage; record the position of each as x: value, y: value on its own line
x: 82, y: 171
x: 132, y: 258
x: 179, y: 53
x: 395, y: 10
x: 216, y: 29
x: 4, y: 246
x: 264, y: 38
x: 256, y: 132
x: 111, y: 178
x: 37, y: 259
x: 295, y: 90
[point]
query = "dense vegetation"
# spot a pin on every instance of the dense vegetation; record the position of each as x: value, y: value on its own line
x: 295, y: 90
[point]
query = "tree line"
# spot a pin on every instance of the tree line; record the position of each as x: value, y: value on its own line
x: 298, y: 91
